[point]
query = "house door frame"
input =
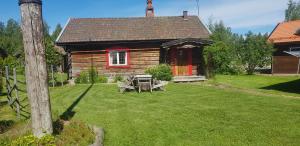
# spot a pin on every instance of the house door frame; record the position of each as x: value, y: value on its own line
x: 175, y: 61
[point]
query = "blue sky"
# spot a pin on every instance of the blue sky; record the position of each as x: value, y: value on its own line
x: 240, y: 15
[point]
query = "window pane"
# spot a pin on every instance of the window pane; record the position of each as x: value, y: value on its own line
x: 122, y: 57
x: 113, y: 57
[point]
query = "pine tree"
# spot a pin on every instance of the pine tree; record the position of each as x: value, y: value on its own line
x: 293, y: 11
x: 56, y: 32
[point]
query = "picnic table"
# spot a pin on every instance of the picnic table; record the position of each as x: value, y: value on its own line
x: 141, y: 82
x: 144, y: 82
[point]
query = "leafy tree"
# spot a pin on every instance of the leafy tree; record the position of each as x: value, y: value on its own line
x: 221, y: 56
x: 52, y: 55
x: 256, y: 52
x: 2, y: 28
x: 293, y: 11
x: 11, y: 39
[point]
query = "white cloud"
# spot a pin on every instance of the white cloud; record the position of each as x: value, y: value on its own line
x: 248, y: 13
x: 235, y: 13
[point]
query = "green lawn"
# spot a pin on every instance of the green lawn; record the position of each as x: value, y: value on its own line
x: 188, y: 114
x: 284, y: 85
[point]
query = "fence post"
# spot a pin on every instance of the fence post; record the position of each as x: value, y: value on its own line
x: 17, y: 94
x: 7, y: 82
x: 1, y: 81
x: 53, y: 85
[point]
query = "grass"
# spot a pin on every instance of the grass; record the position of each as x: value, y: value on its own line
x: 187, y: 114
x: 285, y: 85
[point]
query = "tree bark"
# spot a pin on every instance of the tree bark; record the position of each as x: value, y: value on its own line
x: 36, y: 70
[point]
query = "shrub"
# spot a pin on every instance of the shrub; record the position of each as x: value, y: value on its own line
x: 102, y: 79
x: 30, y: 140
x: 93, y: 75
x: 12, y: 62
x: 76, y: 133
x: 73, y: 133
x: 5, y: 125
x: 160, y: 72
x: 83, y: 78
x: 90, y: 76
x: 60, y: 77
x: 118, y: 78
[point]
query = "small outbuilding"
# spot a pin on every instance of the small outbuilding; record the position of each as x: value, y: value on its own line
x: 286, y: 40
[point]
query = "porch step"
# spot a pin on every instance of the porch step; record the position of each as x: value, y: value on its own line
x: 178, y: 79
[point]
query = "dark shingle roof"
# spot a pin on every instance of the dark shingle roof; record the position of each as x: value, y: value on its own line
x: 131, y: 29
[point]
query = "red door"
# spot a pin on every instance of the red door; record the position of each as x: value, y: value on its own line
x: 181, y: 62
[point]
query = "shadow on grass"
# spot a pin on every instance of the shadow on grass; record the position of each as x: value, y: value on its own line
x: 3, y: 103
x: 69, y: 113
x: 58, y: 125
x: 3, y: 94
x: 5, y: 125
x: 289, y: 87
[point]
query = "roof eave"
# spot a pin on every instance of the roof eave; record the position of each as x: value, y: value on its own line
x: 111, y: 42
x: 60, y: 34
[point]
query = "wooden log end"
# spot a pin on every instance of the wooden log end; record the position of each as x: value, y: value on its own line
x: 99, y: 136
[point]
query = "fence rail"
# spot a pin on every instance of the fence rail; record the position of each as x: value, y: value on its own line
x: 16, y: 84
x: 13, y: 100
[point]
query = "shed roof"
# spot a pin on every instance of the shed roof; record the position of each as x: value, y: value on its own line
x: 286, y: 32
x: 132, y: 29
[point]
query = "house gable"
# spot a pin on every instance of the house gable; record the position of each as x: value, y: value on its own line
x: 285, y: 32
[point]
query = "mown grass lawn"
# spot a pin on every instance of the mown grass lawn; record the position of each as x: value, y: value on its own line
x: 285, y: 85
x: 186, y: 114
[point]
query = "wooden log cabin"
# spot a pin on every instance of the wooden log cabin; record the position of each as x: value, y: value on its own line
x: 131, y: 45
x: 286, y: 40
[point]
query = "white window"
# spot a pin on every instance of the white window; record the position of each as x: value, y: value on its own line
x: 117, y: 58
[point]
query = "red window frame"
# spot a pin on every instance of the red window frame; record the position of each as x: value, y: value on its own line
x: 118, y: 49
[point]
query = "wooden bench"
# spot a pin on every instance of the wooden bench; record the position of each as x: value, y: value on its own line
x: 160, y: 85
x: 127, y: 85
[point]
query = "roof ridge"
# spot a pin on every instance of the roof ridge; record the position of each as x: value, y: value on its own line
x: 131, y: 17
x: 286, y: 22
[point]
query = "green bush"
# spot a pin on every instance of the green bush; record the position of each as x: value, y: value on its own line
x: 93, y: 75
x: 30, y: 140
x: 102, y: 79
x: 75, y: 133
x: 83, y: 78
x: 90, y: 76
x: 160, y: 72
x: 6, y: 125
x: 118, y: 78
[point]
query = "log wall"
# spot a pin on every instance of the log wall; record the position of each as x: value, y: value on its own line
x: 139, y: 61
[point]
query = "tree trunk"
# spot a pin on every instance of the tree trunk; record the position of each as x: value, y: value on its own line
x: 36, y: 70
